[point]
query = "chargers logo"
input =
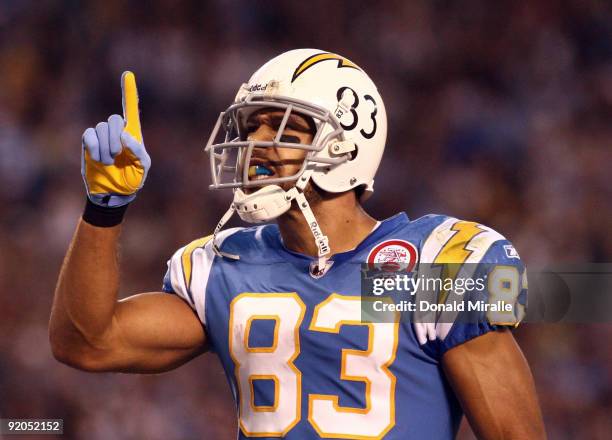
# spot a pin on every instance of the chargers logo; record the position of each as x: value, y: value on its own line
x: 317, y: 58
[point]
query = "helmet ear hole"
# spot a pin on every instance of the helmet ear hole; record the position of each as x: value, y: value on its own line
x: 354, y: 153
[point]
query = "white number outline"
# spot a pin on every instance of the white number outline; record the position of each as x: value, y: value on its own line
x: 343, y: 376
x: 290, y: 363
x: 385, y: 367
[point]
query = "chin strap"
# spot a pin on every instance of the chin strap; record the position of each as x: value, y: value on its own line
x: 296, y: 193
x: 228, y: 214
x: 321, y: 239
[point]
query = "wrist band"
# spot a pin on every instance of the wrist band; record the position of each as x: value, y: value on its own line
x: 103, y: 216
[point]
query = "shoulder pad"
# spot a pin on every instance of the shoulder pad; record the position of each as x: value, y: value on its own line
x: 458, y: 241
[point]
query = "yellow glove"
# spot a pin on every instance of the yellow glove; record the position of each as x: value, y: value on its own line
x: 114, y: 161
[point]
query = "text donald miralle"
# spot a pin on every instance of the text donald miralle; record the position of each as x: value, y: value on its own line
x: 426, y: 294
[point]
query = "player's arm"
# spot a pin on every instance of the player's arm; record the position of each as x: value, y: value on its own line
x: 479, y: 356
x: 89, y: 328
x: 493, y: 382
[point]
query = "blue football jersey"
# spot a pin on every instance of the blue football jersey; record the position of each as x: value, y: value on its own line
x: 300, y: 361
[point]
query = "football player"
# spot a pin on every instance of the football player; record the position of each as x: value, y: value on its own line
x: 280, y: 303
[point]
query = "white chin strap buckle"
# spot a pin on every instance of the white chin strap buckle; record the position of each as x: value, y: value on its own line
x: 263, y: 205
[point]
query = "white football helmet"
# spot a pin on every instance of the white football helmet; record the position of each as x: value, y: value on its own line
x: 350, y: 126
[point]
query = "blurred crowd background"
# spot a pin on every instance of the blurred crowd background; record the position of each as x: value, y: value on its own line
x: 499, y: 112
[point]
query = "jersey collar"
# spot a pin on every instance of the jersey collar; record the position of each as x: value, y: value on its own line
x: 386, y: 227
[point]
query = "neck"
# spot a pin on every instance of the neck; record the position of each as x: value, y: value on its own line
x: 340, y: 217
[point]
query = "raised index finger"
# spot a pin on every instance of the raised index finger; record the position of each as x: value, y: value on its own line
x: 130, y: 105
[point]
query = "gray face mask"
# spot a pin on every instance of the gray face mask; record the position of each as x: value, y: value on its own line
x: 229, y: 158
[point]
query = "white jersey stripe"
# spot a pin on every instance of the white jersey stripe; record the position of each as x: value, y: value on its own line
x: 202, y: 260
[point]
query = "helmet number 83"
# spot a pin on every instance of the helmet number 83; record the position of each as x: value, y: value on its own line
x: 275, y: 364
x: 342, y: 97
